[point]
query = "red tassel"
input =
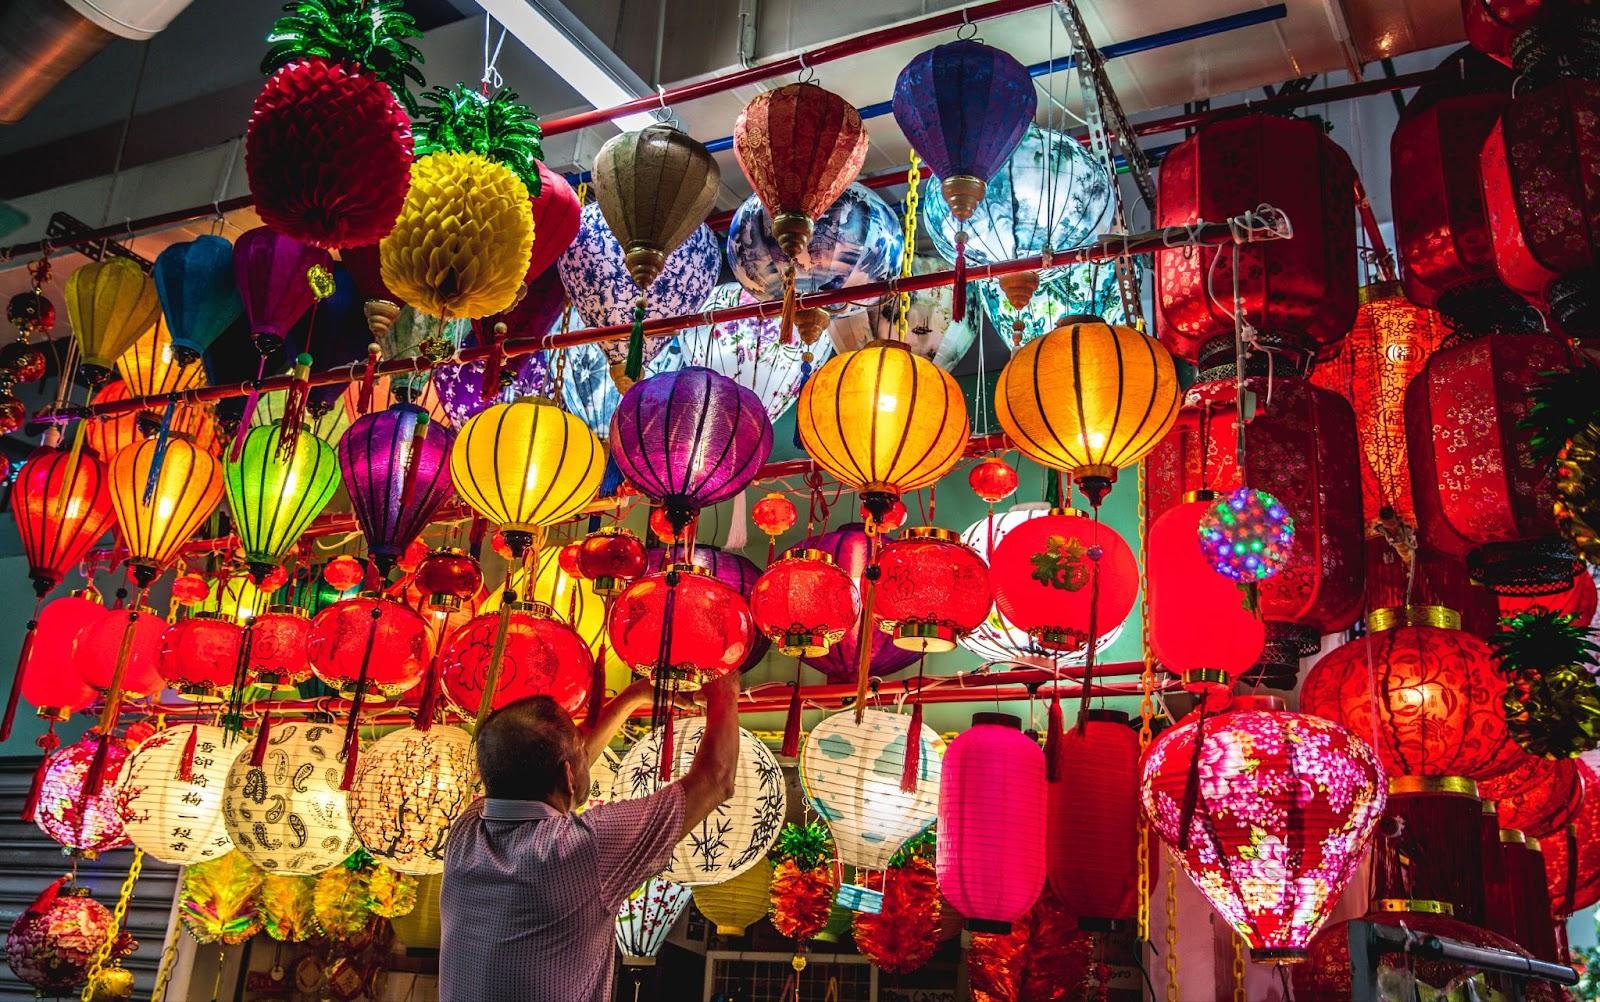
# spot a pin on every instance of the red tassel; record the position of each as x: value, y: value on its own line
x: 351, y: 754
x: 597, y: 688
x: 427, y: 707
x: 791, y: 721
x: 1572, y: 863
x: 258, y: 754
x: 772, y: 549
x: 913, y: 761
x: 48, y: 743
x: 786, y: 319
x: 186, y: 764
x: 1191, y: 787
x: 16, y: 680
x: 294, y: 407
x: 47, y: 897
x: 493, y: 364
x: 1052, y: 741
x: 664, y: 773
x: 369, y: 378
x: 419, y: 433
x: 352, y: 733
x: 958, y: 297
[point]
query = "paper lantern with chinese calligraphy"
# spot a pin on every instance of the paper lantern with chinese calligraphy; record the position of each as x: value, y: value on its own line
x: 410, y: 787
x: 992, y: 822
x: 1285, y: 807
x: 1091, y: 828
x: 1044, y: 574
x: 288, y: 815
x: 740, y: 831
x: 931, y: 589
x: 542, y: 656
x: 647, y: 917
x: 82, y: 820
x: 170, y: 795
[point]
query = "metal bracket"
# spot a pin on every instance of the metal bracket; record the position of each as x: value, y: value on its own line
x: 67, y: 231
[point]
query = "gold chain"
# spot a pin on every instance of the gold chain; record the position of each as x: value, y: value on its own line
x: 1238, y: 969
x: 1172, y: 929
x: 169, y: 958
x: 913, y: 182
x: 1147, y: 710
x: 114, y: 930
x: 582, y: 192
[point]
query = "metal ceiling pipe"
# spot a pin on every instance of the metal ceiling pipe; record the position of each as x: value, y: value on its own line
x: 43, y: 41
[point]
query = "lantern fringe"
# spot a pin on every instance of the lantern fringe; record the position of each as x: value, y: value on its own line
x: 186, y: 763
x: 958, y: 288
x: 494, y: 364
x: 48, y: 742
x: 633, y: 368
x: 369, y: 378
x: 911, y: 763
x: 786, y: 318
x: 258, y: 753
x: 163, y: 436
x: 791, y: 720
x: 427, y: 706
x: 47, y: 897
x: 1053, y: 737
x: 294, y: 407
x: 15, y: 698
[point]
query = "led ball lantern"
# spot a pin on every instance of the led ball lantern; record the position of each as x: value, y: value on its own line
x: 1043, y: 579
x: 373, y: 638
x: 710, y: 630
x: 1248, y: 535
x: 100, y: 645
x: 932, y: 589
x: 609, y: 558
x: 170, y: 796
x: 543, y: 656
x: 804, y: 603
x: 54, y: 690
x: 86, y: 822
x: 288, y: 815
x: 412, y: 785
x: 199, y: 654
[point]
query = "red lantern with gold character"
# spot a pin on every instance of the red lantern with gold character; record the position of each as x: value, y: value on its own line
x: 200, y: 654
x: 279, y: 638
x: 542, y: 656
x: 932, y: 589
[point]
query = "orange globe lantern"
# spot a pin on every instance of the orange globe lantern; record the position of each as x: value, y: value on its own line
x: 159, y: 508
x: 1044, y: 578
x: 344, y: 573
x: 682, y: 626
x: 541, y: 656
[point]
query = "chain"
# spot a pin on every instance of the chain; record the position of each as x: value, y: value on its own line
x: 114, y: 930
x: 1238, y: 969
x: 1172, y: 930
x: 169, y: 958
x: 1147, y: 712
x: 913, y: 198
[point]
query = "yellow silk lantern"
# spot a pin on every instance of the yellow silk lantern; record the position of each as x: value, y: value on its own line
x: 158, y: 518
x: 460, y: 247
x: 883, y: 420
x: 149, y: 369
x: 238, y: 598
x: 110, y: 304
x: 733, y: 906
x: 1088, y: 398
x: 524, y: 465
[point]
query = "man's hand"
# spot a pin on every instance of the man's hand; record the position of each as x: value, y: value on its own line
x: 709, y: 781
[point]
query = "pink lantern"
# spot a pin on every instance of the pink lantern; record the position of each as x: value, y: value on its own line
x: 991, y: 823
x: 83, y: 822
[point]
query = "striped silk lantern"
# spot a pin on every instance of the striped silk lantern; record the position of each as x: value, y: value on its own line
x: 162, y: 491
x: 647, y: 917
x: 170, y: 795
x: 151, y: 367
x: 396, y: 468
x: 991, y: 855
x: 272, y: 501
x: 110, y: 304
x: 1092, y: 822
x: 195, y: 284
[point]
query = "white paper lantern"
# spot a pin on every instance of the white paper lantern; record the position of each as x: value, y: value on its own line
x: 288, y: 814
x: 410, y: 787
x: 740, y: 832
x: 647, y: 917
x: 174, y: 819
x: 602, y: 776
x: 751, y: 353
x: 996, y: 640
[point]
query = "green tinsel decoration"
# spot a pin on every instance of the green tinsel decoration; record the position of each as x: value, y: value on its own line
x: 917, y: 846
x: 810, y: 845
x: 463, y: 120
x: 1552, y: 702
x: 369, y: 33
x: 1561, y: 405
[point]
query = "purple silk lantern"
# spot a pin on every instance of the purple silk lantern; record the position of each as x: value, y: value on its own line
x: 732, y: 569
x: 271, y: 271
x: 460, y: 387
x: 689, y: 439
x: 849, y: 547
x: 396, y: 466
x: 964, y: 107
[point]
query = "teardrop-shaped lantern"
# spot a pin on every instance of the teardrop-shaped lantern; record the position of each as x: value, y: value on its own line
x: 155, y: 522
x: 151, y: 367
x: 271, y: 499
x: 271, y: 271
x: 61, y: 508
x: 397, y: 472
x: 555, y: 221
x: 110, y: 304
x: 199, y: 296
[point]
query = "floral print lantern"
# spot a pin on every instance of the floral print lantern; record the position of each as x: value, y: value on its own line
x: 1063, y: 292
x: 750, y: 352
x: 1286, y: 806
x: 287, y: 814
x: 647, y: 917
x: 82, y: 821
x: 930, y: 331
x: 411, y: 787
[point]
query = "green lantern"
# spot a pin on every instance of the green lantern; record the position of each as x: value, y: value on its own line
x: 273, y: 500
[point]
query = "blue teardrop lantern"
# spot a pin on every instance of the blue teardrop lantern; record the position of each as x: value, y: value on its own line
x: 199, y: 297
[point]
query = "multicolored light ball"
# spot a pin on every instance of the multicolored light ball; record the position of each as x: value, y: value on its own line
x: 1247, y: 535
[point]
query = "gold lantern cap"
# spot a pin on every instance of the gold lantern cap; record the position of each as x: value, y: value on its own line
x: 1458, y: 786
x: 288, y: 610
x: 1437, y: 616
x: 1378, y: 291
x: 807, y: 553
x: 934, y: 533
x: 1417, y: 906
x: 1513, y: 836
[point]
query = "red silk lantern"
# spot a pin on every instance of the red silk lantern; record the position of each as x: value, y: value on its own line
x: 773, y: 515
x: 1432, y: 578
x: 1285, y: 806
x: 932, y: 589
x: 893, y: 517
x: 1572, y: 855
x: 556, y: 215
x: 1055, y: 607
x: 1538, y: 797
x: 1579, y: 601
x: 279, y: 638
x: 190, y: 589
x: 1420, y: 849
x: 1300, y: 294
x: 992, y: 479
x: 200, y: 654
x: 1522, y: 896
x: 991, y: 823
x: 48, y: 684
x: 804, y: 603
x: 344, y: 573
x: 610, y: 558
x: 543, y: 656
x: 1301, y: 450
x: 661, y: 525
x: 707, y: 626
x: 1092, y: 825
x: 1438, y: 710
x: 369, y: 637
x: 1198, y: 618
x: 100, y: 643
x: 62, y: 506
x: 1477, y: 489
x: 448, y: 578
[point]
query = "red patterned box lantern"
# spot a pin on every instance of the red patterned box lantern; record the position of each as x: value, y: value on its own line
x: 1300, y: 294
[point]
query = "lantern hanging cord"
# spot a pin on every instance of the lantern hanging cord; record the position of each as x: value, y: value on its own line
x: 492, y: 79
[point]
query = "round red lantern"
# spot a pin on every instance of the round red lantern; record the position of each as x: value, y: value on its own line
x: 190, y: 589
x: 1300, y: 294
x: 100, y: 643
x: 804, y: 603
x: 370, y: 633
x: 200, y: 654
x: 610, y: 558
x: 932, y: 589
x: 1437, y: 710
x: 1477, y: 489
x: 1198, y: 619
x: 47, y: 684
x: 661, y: 525
x: 85, y: 821
x: 1572, y: 855
x: 448, y: 577
x: 774, y: 514
x: 279, y: 638
x: 708, y: 626
x: 991, y: 823
x: 1538, y: 797
x: 344, y: 573
x: 1043, y: 573
x: 567, y: 560
x: 413, y: 556
x: 543, y: 657
x: 1092, y: 821
x: 1579, y: 601
x: 992, y: 479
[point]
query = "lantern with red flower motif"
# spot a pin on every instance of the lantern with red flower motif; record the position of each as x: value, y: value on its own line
x: 1538, y: 797
x: 371, y: 643
x: 804, y: 603
x: 540, y: 656
x: 200, y: 654
x: 1043, y: 572
x: 682, y: 626
x: 1285, y: 806
x: 82, y: 819
x: 932, y: 589
x: 1200, y: 623
x: 1300, y: 294
x: 1301, y: 450
x: 1092, y: 824
x: 610, y: 558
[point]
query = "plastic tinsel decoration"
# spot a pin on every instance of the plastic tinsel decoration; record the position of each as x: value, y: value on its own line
x: 903, y: 935
x: 218, y: 903
x: 340, y: 901
x: 1559, y: 407
x: 1247, y: 535
x: 1577, y: 508
x: 1552, y: 701
x: 285, y: 903
x: 390, y: 893
x: 802, y: 886
x: 464, y: 119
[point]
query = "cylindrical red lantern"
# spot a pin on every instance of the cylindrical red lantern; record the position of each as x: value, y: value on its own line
x: 1198, y: 619
x: 804, y: 603
x: 48, y: 683
x: 1522, y: 860
x: 1092, y: 824
x: 932, y: 589
x: 200, y: 654
x: 369, y: 637
x: 543, y: 657
x: 344, y: 573
x: 278, y: 647
x: 100, y: 643
x: 610, y: 558
x: 1043, y: 572
x: 991, y: 822
x: 1538, y: 797
x: 1301, y: 450
x: 1299, y: 294
x: 708, y: 626
x: 1477, y: 489
x: 1579, y: 600
x: 1428, y: 844
x: 1572, y: 855
x: 1432, y: 578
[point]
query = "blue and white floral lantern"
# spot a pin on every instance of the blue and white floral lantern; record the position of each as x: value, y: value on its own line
x: 589, y: 392
x: 857, y: 241
x: 750, y: 352
x: 929, y: 330
x: 1089, y: 288
x: 601, y: 290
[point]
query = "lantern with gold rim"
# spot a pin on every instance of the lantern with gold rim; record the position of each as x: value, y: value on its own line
x: 158, y: 514
x: 272, y: 500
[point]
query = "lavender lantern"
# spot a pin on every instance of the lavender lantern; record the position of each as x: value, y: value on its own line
x: 460, y: 387
x: 732, y: 569
x: 850, y: 548
x: 396, y: 466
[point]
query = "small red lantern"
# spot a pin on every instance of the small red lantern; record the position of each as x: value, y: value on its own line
x: 344, y: 573
x: 54, y: 690
x: 804, y: 603
x: 414, y: 555
x: 448, y: 577
x: 190, y: 589
x: 1199, y: 621
x: 1579, y: 601
x: 932, y: 589
x: 1492, y: 25
x: 610, y: 558
x: 567, y: 560
x: 894, y: 516
x: 1539, y: 797
x: 1437, y: 711
x: 373, y: 637
x: 279, y: 638
x: 543, y: 657
x: 100, y: 643
x: 992, y: 479
x: 1572, y: 855
x: 200, y: 654
x: 774, y: 515
x: 275, y: 578
x: 1043, y: 579
x: 662, y: 526
x: 709, y: 634
x: 1092, y: 827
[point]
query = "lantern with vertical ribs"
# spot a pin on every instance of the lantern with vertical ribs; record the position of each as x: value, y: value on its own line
x: 542, y: 656
x: 396, y: 467
x: 1092, y: 821
x: 162, y: 492
x: 700, y: 624
x: 804, y: 603
x: 932, y: 589
x: 733, y: 569
x: 1572, y: 855
x: 373, y: 638
x: 1301, y: 450
x: 1299, y: 294
x: 1063, y: 576
x: 170, y: 796
x: 61, y: 508
x: 200, y: 654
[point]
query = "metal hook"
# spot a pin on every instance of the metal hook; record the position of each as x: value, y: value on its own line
x: 967, y: 29
x: 807, y: 73
x: 663, y: 112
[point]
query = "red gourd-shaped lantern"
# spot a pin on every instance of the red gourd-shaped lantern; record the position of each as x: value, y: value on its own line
x: 1092, y: 824
x: 1299, y: 294
x: 681, y: 626
x: 1272, y: 836
x: 540, y: 656
x: 1301, y: 450
x: 804, y: 603
x: 1200, y: 624
x: 55, y: 691
x: 933, y: 589
x: 1436, y: 710
x: 991, y: 823
x: 62, y: 506
x: 609, y: 558
x: 98, y: 653
x: 1538, y: 797
x: 200, y: 654
x: 1044, y: 574
x: 1477, y: 488
x: 369, y: 643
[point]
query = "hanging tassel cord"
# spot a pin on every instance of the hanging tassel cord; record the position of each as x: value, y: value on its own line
x: 633, y: 368
x: 911, y: 765
x: 48, y: 742
x: 791, y: 720
x: 428, y: 705
x: 665, y: 689
x: 233, y: 718
x: 864, y: 638
x: 247, y: 413
x: 1054, y: 733
x: 163, y: 438
x: 1095, y: 553
x: 790, y: 305
x: 258, y: 751
x: 369, y: 378
x: 352, y: 731
x: 15, y: 698
x: 1191, y: 783
x: 186, y: 762
x: 497, y: 655
x: 294, y: 408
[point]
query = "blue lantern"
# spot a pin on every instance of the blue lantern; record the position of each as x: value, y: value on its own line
x: 588, y: 390
x: 199, y: 297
